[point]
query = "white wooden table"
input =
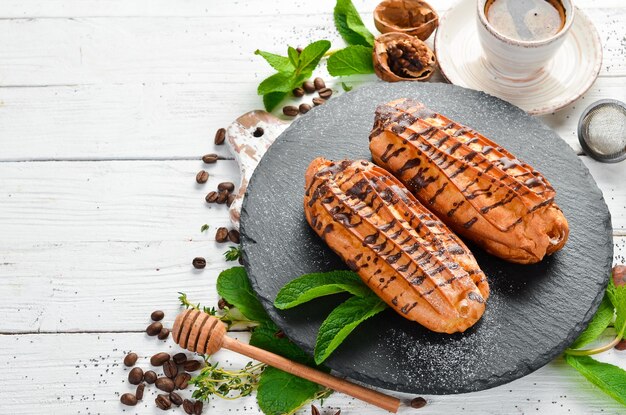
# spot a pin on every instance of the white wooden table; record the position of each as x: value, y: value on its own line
x: 105, y: 108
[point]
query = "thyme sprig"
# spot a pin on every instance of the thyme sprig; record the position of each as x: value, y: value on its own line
x: 214, y: 380
x: 229, y: 315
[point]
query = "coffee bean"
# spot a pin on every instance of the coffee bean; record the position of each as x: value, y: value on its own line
x: 179, y: 358
x: 221, y: 235
x: 231, y: 199
x: 258, y: 132
x: 130, y: 359
x: 154, y: 328
x: 298, y: 92
x: 325, y: 93
x: 338, y: 412
x: 169, y: 369
x: 202, y: 176
x: 135, y: 376
x: 165, y: 384
x: 157, y: 315
x: 318, y: 101
x: 159, y: 358
x: 181, y: 381
x: 233, y: 235
x: 314, y: 410
x: 220, y: 135
x: 128, y: 399
x: 279, y: 334
x: 621, y: 345
x: 211, y: 197
x: 163, y: 402
x: 304, y: 108
x: 222, y: 197
x: 163, y: 334
x: 197, y: 407
x: 418, y: 402
x: 319, y: 83
x: 192, y: 365
x: 139, y: 391
x: 150, y: 376
x: 176, y: 399
x: 210, y: 158
x: 228, y: 186
x: 198, y: 262
x: 309, y: 87
x: 188, y: 406
x: 221, y: 304
x: 290, y: 110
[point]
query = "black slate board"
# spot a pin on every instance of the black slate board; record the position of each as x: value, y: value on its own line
x: 534, y: 312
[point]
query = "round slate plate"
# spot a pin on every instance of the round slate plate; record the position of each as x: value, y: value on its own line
x: 534, y: 312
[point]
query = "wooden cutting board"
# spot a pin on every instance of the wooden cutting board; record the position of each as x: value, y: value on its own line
x: 534, y: 311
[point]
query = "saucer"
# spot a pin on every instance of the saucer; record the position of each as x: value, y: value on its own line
x: 569, y: 74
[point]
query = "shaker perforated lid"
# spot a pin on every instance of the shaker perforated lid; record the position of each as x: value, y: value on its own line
x: 602, y: 131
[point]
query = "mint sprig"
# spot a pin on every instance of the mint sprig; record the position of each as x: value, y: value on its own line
x: 351, y: 60
x: 350, y: 26
x: 292, y: 70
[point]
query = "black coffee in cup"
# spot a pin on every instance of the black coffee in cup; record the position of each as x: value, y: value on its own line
x: 528, y: 20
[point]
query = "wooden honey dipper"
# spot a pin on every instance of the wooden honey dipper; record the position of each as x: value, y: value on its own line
x: 202, y: 333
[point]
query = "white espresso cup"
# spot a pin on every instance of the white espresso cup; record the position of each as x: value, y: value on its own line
x: 519, y: 59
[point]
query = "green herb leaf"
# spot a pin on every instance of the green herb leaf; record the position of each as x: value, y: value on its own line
x: 310, y: 286
x: 346, y: 87
x: 350, y: 26
x: 279, y: 82
x: 281, y: 393
x: 610, y: 379
x: 234, y: 287
x: 233, y: 253
x: 310, y: 57
x: 598, y: 324
x: 271, y: 100
x: 294, y: 56
x: 342, y: 321
x: 617, y: 295
x: 352, y: 60
x: 265, y: 337
x: 280, y: 63
x: 204, y: 227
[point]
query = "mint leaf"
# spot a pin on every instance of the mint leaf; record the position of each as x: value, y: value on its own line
x: 350, y: 26
x: 272, y: 99
x: 234, y: 287
x: 282, y: 393
x: 598, y: 324
x: 204, y: 227
x: 351, y: 61
x: 279, y: 82
x: 346, y: 87
x: 342, y: 321
x: 311, y: 55
x: 294, y: 56
x: 617, y: 295
x: 610, y: 379
x: 310, y: 286
x: 280, y: 63
x: 264, y: 337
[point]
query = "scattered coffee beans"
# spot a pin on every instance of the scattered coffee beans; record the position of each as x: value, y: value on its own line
x: 157, y: 315
x: 319, y: 83
x: 135, y: 376
x: 198, y: 262
x: 325, y: 93
x: 290, y: 110
x: 139, y: 391
x: 318, y: 101
x: 220, y: 135
x: 130, y: 359
x: 165, y: 384
x: 308, y: 87
x: 202, y: 176
x: 222, y: 197
x: 233, y: 236
x: 163, y: 402
x: 179, y: 358
x: 154, y: 328
x: 211, y: 197
x: 228, y: 186
x: 221, y: 235
x: 418, y: 402
x: 298, y: 92
x: 188, y: 406
x: 181, y: 381
x: 231, y: 199
x: 176, y: 399
x: 159, y: 358
x: 150, y: 377
x: 258, y: 132
x: 128, y: 399
x: 169, y: 369
x: 197, y: 407
x: 163, y: 334
x: 304, y: 108
x: 192, y: 365
x: 210, y: 158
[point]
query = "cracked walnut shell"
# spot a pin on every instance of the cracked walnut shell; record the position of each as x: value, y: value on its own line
x: 413, y: 17
x: 401, y: 57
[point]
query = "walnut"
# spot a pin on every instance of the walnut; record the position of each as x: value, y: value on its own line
x: 413, y: 17
x: 401, y: 57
